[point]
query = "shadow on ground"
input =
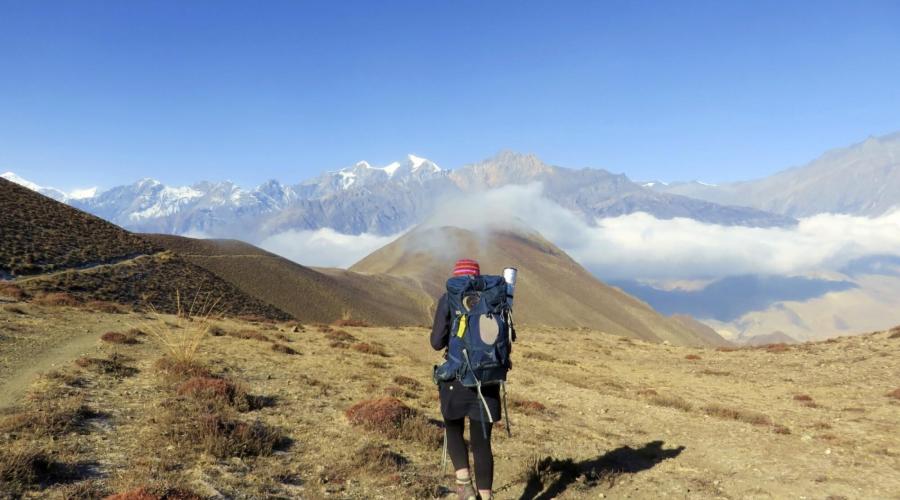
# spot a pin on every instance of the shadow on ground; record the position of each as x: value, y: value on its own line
x: 551, y: 477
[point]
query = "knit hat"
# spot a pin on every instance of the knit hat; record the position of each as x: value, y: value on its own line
x: 466, y: 266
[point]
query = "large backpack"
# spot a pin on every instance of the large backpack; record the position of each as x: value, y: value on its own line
x: 481, y: 333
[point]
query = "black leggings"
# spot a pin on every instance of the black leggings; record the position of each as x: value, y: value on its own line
x: 481, y: 450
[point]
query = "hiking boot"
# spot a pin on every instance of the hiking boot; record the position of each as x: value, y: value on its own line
x: 465, y: 490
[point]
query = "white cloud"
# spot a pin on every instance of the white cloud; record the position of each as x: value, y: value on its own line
x: 324, y: 247
x: 640, y: 246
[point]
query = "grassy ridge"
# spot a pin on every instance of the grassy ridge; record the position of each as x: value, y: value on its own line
x: 39, y: 235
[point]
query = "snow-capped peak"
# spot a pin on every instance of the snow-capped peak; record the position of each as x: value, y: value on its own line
x: 417, y: 162
x: 83, y: 194
x: 50, y: 192
x: 390, y: 169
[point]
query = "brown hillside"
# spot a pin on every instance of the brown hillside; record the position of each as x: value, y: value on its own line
x: 553, y: 289
x: 317, y: 295
x: 701, y: 329
x: 39, y: 235
x: 51, y: 247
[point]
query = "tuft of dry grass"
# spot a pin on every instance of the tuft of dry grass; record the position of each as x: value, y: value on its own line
x: 250, y: 335
x: 671, y: 401
x: 181, y: 370
x: 726, y: 349
x: 390, y: 417
x: 56, y: 299
x: 183, y: 339
x: 747, y: 416
x: 283, y: 349
x: 223, y: 437
x: 373, y: 348
x: 540, y: 356
x: 708, y: 371
x: 378, y: 458
x: 119, y: 338
x: 23, y: 465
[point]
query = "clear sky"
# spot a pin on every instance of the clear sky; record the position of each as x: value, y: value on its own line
x: 108, y: 92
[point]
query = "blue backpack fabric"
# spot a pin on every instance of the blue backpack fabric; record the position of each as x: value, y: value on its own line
x: 480, y: 342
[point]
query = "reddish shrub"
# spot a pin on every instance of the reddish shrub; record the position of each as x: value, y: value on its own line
x: 529, y: 407
x: 207, y: 387
x: 56, y: 299
x: 373, y: 348
x: 692, y: 357
x: 803, y: 397
x: 118, y: 338
x: 351, y: 323
x: 385, y: 415
x: 776, y: 348
x: 339, y: 336
x: 323, y: 328
x: 726, y: 349
x: 12, y: 292
x: 145, y: 493
x: 182, y: 369
x: 894, y: 394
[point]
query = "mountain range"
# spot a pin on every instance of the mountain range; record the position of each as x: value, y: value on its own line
x: 862, y: 179
x: 380, y: 200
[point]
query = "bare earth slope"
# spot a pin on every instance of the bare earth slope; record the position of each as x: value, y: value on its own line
x: 554, y: 289
x: 318, y: 295
x: 615, y: 418
x: 48, y: 246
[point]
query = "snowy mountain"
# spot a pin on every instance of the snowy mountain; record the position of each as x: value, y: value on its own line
x: 363, y: 198
x: 49, y: 192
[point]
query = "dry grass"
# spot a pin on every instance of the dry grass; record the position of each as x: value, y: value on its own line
x: 709, y: 371
x: 727, y: 349
x: 373, y: 348
x: 671, y: 401
x: 776, y: 348
x: 178, y: 370
x: 339, y: 336
x: 348, y: 322
x: 540, y: 356
x: 249, y: 335
x: 23, y: 465
x: 223, y: 437
x: 56, y: 299
x: 105, y: 306
x: 747, y: 416
x: 49, y: 417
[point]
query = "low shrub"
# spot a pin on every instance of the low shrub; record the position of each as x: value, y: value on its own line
x: 283, y: 349
x: 149, y: 493
x: 374, y: 348
x: 49, y: 417
x: 528, y: 407
x: 726, y: 349
x: 119, y: 338
x: 10, y: 291
x: 378, y: 458
x: 216, y: 331
x: 339, y: 336
x: 24, y: 465
x: 776, y: 348
x: 181, y: 370
x: 114, y: 365
x: 540, y: 356
x: 224, y: 438
x: 407, y: 382
x: 390, y: 417
x: 350, y: 323
x: 692, y: 357
x: 894, y: 394
x: 708, y: 371
x: 250, y: 335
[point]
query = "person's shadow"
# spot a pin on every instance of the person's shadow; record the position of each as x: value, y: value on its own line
x: 551, y: 477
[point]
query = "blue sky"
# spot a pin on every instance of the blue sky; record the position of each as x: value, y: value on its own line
x: 108, y: 92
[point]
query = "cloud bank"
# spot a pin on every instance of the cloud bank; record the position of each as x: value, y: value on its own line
x: 324, y: 247
x: 635, y: 246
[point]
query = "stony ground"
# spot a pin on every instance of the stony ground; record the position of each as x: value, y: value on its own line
x: 593, y: 415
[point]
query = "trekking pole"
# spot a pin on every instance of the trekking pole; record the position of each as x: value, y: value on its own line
x: 444, y: 453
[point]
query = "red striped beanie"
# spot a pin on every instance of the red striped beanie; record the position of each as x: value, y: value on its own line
x: 466, y: 266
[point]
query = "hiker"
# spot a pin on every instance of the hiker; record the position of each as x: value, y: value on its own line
x: 459, y: 401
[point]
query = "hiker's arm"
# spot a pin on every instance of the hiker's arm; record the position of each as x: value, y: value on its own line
x: 440, y: 330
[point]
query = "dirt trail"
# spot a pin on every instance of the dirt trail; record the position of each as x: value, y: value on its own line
x: 28, y: 348
x: 27, y: 368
